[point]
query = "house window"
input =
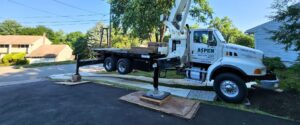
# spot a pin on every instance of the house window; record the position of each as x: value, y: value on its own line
x: 23, y: 46
x: 20, y: 46
x: 3, y: 46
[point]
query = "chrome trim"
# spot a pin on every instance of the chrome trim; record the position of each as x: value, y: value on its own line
x: 269, y: 84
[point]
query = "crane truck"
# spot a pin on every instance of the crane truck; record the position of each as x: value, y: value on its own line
x: 204, y: 55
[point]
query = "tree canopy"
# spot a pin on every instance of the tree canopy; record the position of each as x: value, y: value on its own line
x: 231, y: 33
x: 10, y: 27
x: 142, y: 17
x: 289, y: 15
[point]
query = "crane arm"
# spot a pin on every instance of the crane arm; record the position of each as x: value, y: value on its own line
x: 178, y: 15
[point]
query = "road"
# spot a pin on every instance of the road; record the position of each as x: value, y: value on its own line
x: 47, y: 103
x: 10, y: 75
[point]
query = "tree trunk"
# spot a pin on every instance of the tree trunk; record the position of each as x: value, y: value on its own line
x: 162, y: 33
x: 156, y: 37
x: 150, y: 38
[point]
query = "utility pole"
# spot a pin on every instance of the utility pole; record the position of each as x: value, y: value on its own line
x: 109, y: 43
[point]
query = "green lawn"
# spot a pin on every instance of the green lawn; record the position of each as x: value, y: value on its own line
x: 289, y: 77
x: 45, y: 64
x: 171, y: 74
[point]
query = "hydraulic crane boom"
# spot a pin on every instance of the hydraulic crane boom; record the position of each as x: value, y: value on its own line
x: 178, y: 15
x: 179, y: 42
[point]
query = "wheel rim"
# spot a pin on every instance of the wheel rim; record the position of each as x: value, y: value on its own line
x: 122, y: 67
x: 229, y: 88
x: 108, y: 65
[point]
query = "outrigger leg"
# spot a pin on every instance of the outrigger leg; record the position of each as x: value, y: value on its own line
x: 156, y: 94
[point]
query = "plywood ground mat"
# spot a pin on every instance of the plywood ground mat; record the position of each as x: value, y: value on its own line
x: 180, y: 107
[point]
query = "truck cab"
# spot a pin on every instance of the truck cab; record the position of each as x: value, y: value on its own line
x: 211, y: 61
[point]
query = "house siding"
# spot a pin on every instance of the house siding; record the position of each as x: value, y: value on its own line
x: 65, y: 55
x: 270, y: 47
x: 19, y: 50
x: 38, y: 44
x: 40, y: 60
x: 3, y: 50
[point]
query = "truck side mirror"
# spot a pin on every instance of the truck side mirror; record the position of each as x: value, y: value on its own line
x: 212, y: 43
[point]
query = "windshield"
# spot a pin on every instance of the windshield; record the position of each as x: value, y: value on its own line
x: 220, y: 36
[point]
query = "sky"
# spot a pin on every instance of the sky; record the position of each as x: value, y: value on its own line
x: 81, y: 15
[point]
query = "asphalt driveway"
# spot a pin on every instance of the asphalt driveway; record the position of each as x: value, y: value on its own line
x: 47, y: 103
x: 10, y: 75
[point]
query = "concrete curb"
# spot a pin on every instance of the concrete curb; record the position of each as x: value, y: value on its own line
x: 126, y: 81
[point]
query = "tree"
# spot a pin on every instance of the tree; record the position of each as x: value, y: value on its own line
x: 142, y: 17
x: 225, y: 26
x: 59, y: 38
x: 40, y: 30
x: 195, y: 26
x: 231, y: 33
x: 10, y: 27
x: 245, y: 40
x: 120, y: 40
x: 94, y: 35
x: 81, y: 48
x: 289, y: 15
x: 74, y: 37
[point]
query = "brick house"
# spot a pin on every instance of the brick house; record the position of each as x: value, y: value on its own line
x: 37, y: 48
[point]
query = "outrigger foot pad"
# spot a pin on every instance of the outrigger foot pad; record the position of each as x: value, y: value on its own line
x: 157, y: 95
x: 76, y: 78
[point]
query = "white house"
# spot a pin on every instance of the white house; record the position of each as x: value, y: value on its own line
x: 270, y: 47
x: 38, y: 49
x: 51, y: 53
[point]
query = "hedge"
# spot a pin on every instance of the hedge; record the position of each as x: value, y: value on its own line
x: 15, y: 58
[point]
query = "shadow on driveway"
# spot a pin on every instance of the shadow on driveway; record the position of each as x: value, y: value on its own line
x: 48, y: 103
x: 9, y: 74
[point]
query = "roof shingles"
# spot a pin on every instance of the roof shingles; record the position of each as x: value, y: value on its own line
x: 18, y: 39
x: 47, y: 51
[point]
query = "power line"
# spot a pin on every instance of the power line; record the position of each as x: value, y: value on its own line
x: 37, y: 9
x: 62, y: 16
x: 74, y: 7
x: 73, y: 21
x: 70, y: 24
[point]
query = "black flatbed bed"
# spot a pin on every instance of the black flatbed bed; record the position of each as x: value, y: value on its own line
x: 137, y: 53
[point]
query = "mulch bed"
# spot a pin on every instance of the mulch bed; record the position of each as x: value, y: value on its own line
x: 286, y: 104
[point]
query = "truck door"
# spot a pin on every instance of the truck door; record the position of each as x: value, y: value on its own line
x: 203, y: 47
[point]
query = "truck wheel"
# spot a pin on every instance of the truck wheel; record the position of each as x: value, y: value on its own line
x: 110, y: 64
x: 230, y: 88
x: 124, y: 66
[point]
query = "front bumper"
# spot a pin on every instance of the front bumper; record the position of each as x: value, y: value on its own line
x: 269, y: 81
x: 269, y: 84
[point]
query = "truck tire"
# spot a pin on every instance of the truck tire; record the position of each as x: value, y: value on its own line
x: 230, y: 88
x: 124, y: 66
x: 110, y: 64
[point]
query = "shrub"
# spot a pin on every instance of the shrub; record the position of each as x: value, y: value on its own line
x: 22, y: 62
x: 13, y: 58
x: 17, y: 57
x: 289, y: 78
x: 7, y: 59
x: 274, y: 64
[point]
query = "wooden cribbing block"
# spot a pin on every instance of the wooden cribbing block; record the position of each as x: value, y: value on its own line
x: 155, y: 101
